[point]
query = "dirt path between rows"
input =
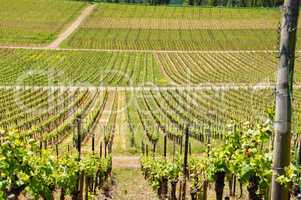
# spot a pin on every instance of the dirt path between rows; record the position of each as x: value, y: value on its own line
x: 120, y: 136
x: 128, y: 181
x: 126, y: 162
x: 74, y: 25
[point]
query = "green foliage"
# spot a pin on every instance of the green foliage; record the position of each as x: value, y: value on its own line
x: 291, y: 178
x: 92, y: 164
x: 291, y: 175
x: 198, y: 172
x: 157, y: 169
x: 66, y: 171
x: 219, y: 159
x: 244, y: 153
x: 15, y: 162
x: 252, y: 158
x: 42, y: 176
x: 24, y: 167
x: 218, y: 163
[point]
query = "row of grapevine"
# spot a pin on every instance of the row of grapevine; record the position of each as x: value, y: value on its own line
x: 173, y: 40
x: 65, y: 68
x: 244, y: 157
x: 77, y: 68
x: 194, y: 69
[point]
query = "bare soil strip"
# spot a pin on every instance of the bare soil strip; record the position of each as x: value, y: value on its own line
x: 126, y: 162
x: 144, y: 51
x: 64, y: 35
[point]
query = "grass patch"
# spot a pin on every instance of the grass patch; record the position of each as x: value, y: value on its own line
x: 131, y: 185
x: 29, y: 22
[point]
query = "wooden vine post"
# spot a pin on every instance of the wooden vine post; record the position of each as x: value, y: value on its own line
x: 284, y: 88
x: 181, y: 145
x: 185, y: 167
x: 174, y: 150
x: 154, y: 148
x: 100, y: 149
x: 142, y: 147
x: 41, y: 147
x: 105, y: 150
x: 165, y: 146
x: 80, y: 182
x: 57, y: 150
x: 1, y: 138
x: 78, y: 141
x: 93, y: 143
x: 132, y: 138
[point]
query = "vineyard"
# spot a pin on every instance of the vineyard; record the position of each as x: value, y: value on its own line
x: 49, y: 115
x: 150, y: 117
x: 89, y: 68
x: 129, y: 101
